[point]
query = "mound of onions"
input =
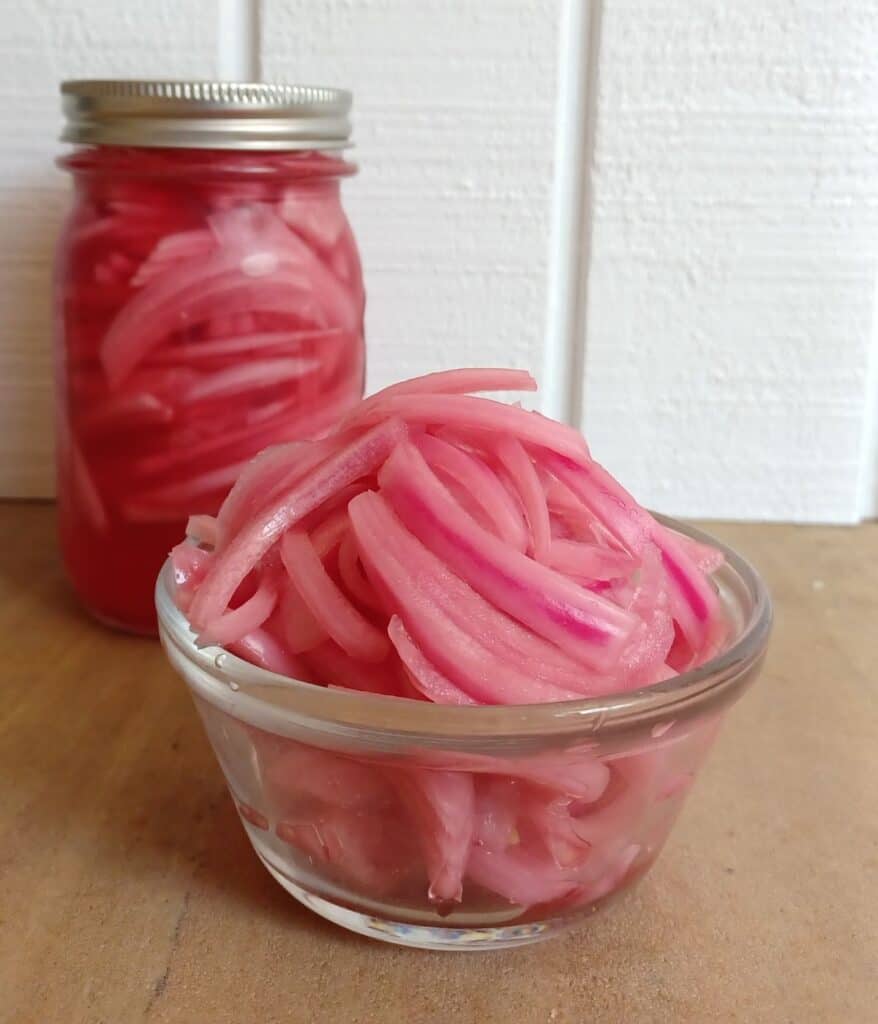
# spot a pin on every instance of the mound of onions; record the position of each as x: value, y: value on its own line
x: 449, y: 548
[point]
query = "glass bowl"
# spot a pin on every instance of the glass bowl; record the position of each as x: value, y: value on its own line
x: 525, y: 818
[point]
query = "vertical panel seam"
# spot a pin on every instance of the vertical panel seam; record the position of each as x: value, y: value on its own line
x: 238, y: 40
x: 572, y: 204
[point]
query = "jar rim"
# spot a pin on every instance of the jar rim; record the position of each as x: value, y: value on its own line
x: 157, y: 163
x: 200, y: 114
x: 277, y: 702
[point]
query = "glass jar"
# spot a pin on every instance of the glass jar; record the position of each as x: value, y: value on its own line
x: 209, y: 303
x: 463, y: 827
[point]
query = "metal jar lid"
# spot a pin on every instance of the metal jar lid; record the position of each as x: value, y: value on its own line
x: 208, y: 115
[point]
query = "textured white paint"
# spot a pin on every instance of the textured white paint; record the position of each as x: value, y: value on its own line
x: 734, y: 254
x: 42, y: 42
x: 453, y: 115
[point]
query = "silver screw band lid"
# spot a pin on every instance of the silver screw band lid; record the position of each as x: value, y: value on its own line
x: 208, y: 115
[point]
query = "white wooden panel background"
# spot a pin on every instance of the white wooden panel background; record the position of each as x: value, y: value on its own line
x: 734, y: 254
x: 454, y: 127
x: 42, y: 42
x: 728, y: 335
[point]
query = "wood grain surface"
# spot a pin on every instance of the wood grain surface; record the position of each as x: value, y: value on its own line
x: 128, y: 891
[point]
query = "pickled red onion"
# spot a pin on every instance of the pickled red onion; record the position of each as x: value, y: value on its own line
x: 199, y: 325
x: 463, y: 552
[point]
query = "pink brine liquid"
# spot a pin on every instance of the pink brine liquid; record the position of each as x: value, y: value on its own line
x: 208, y: 304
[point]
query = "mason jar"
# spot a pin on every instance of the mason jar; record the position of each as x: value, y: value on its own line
x: 208, y: 303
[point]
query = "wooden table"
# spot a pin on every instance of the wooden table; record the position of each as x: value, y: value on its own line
x: 128, y: 891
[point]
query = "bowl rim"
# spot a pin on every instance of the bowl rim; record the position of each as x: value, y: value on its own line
x: 713, y: 685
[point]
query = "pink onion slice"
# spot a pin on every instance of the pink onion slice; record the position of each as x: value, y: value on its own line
x: 425, y: 676
x: 580, y: 622
x: 441, y: 805
x: 130, y: 411
x: 360, y: 457
x: 523, y: 475
x: 272, y: 470
x: 189, y: 564
x: 571, y: 773
x: 706, y: 558
x: 468, y: 412
x: 520, y: 876
x: 327, y: 603
x: 238, y: 346
x: 329, y: 534
x: 250, y: 376
x: 453, y: 382
x: 300, y: 630
x: 480, y: 484
x: 352, y: 575
x: 694, y: 601
x: 493, y: 632
x: 234, y: 625
x: 262, y: 649
x: 395, y: 563
x: 589, y: 561
x: 337, y: 668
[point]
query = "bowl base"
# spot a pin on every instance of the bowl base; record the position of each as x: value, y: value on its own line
x: 423, y: 936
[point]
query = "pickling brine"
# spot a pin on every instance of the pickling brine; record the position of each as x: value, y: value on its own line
x: 209, y: 303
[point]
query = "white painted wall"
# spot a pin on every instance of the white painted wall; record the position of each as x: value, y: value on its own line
x: 454, y: 115
x: 734, y: 254
x: 722, y: 355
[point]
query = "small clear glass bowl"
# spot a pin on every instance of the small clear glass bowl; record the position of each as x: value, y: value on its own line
x: 567, y: 804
